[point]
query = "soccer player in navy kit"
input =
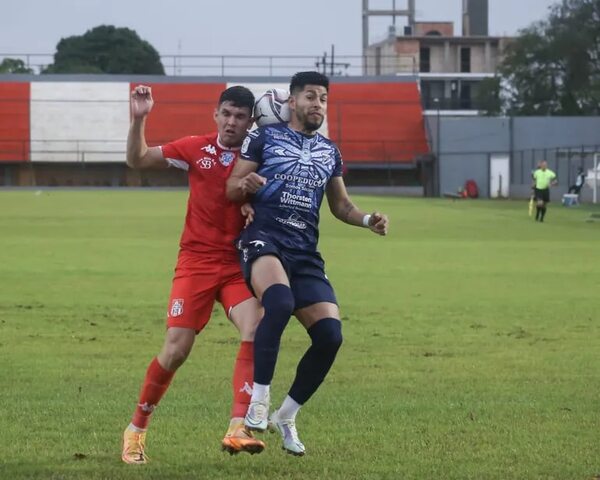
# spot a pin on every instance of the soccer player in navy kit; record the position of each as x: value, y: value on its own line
x: 286, y: 169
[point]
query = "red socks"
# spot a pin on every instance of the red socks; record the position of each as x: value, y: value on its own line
x: 243, y: 373
x: 158, y: 379
x: 155, y: 385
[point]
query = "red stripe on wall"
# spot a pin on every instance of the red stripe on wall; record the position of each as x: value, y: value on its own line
x: 14, y: 122
x: 377, y: 122
x: 181, y: 109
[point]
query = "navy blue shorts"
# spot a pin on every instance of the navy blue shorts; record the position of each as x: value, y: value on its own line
x: 305, y: 270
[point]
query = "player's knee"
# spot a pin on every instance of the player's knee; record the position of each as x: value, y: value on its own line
x: 278, y: 300
x: 327, y: 334
x: 173, y: 355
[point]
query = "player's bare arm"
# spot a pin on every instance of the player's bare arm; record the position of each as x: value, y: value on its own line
x: 343, y: 209
x: 139, y: 155
x: 243, y: 181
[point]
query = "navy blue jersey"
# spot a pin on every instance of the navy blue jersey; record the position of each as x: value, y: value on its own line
x: 297, y: 168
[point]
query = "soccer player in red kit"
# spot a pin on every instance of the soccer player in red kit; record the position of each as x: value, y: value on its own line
x: 207, y: 266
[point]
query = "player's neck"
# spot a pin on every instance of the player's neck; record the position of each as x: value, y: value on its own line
x: 298, y: 127
x: 222, y: 146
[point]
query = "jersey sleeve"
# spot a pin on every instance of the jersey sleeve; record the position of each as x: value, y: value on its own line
x: 338, y: 169
x: 252, y: 148
x: 178, y: 153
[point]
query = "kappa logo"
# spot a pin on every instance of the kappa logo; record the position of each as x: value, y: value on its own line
x: 176, y: 307
x: 205, y: 163
x: 246, y: 388
x: 148, y: 408
x: 210, y: 149
x: 257, y: 243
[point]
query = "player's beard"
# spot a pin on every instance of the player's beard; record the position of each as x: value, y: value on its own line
x: 308, y: 124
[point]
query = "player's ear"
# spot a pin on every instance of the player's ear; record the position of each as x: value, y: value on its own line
x: 216, y: 113
x: 292, y: 101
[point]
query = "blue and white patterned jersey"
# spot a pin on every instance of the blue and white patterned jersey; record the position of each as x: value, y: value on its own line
x: 298, y: 168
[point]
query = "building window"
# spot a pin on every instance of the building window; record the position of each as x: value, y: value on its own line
x: 465, y: 96
x: 424, y: 63
x: 465, y: 60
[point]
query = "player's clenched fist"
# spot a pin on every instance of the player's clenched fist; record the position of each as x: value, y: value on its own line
x: 378, y: 223
x: 141, y: 101
x: 251, y: 183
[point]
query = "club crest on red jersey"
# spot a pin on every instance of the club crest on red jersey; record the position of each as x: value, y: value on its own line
x: 176, y: 307
x: 226, y: 158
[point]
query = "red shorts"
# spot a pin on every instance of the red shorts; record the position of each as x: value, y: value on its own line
x: 196, y: 286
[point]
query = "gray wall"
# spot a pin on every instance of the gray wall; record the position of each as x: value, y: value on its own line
x: 464, y: 146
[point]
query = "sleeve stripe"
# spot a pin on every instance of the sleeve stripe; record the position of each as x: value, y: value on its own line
x: 177, y: 163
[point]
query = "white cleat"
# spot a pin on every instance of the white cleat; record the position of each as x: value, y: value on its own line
x: 257, y: 417
x: 289, y: 434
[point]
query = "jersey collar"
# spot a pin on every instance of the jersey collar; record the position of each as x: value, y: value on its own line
x: 223, y: 147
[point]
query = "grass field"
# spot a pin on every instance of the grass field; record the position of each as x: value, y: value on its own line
x: 472, y: 345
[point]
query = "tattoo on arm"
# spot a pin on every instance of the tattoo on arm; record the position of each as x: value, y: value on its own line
x: 347, y: 207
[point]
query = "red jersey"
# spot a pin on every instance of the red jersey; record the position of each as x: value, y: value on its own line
x: 212, y: 221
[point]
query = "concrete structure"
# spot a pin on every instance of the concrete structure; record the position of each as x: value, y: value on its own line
x: 500, y: 153
x: 449, y: 67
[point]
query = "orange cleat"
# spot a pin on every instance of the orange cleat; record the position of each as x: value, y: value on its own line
x: 239, y: 439
x: 134, y: 444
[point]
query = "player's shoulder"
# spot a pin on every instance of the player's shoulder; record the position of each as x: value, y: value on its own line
x: 206, y: 139
x: 201, y: 140
x: 328, y: 143
x: 275, y: 130
x: 324, y: 139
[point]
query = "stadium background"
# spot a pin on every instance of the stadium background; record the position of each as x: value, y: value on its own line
x: 70, y: 130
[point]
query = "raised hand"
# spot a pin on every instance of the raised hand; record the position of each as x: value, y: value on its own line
x: 141, y: 101
x: 378, y: 223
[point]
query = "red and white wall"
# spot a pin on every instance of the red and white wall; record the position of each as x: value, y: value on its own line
x: 75, y: 121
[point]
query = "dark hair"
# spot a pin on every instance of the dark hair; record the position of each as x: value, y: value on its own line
x: 239, y: 96
x: 301, y: 79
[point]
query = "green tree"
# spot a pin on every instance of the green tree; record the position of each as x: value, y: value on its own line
x: 14, y: 65
x: 553, y: 66
x: 487, y: 96
x: 106, y: 49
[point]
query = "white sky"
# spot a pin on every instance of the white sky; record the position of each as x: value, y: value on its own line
x: 235, y: 27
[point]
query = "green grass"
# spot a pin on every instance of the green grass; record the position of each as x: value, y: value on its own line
x: 472, y: 345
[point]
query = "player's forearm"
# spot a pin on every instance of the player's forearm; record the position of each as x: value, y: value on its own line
x: 136, y: 143
x: 348, y: 213
x: 234, y: 191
